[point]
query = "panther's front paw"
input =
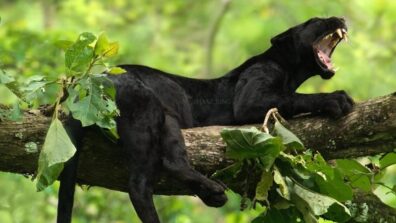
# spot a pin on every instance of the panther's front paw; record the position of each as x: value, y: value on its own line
x: 337, y: 104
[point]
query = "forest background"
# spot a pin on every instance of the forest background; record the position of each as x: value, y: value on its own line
x: 200, y: 39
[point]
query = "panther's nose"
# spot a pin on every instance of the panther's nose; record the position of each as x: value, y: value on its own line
x: 339, y: 22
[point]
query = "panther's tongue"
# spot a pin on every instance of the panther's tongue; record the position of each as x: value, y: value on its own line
x: 325, y: 59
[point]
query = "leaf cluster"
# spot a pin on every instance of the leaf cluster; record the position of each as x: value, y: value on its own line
x: 83, y: 91
x: 295, y: 184
x: 88, y: 96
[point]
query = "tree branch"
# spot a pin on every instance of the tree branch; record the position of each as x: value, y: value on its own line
x: 369, y: 129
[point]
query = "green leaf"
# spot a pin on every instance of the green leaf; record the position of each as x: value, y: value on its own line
x: 289, y: 139
x: 85, y: 111
x: 305, y: 210
x: 229, y: 172
x: 116, y: 71
x: 80, y: 54
x: 283, y: 190
x: 385, y: 188
x: 317, y: 164
x: 295, y: 161
x: 105, y: 48
x: 363, y: 182
x: 314, y: 167
x: 263, y: 186
x: 252, y: 143
x: 57, y: 149
x: 107, y: 122
x: 319, y: 204
x: 101, y: 45
x: 386, y: 177
x: 334, y: 187
x: 386, y: 195
x: 351, y: 167
x: 388, y: 160
x: 35, y: 88
x: 78, y: 58
x: 86, y: 38
x: 358, y: 175
x: 281, y: 203
x: 107, y: 86
x: 371, y: 160
x: 48, y: 174
x: 90, y: 104
x: 111, y: 50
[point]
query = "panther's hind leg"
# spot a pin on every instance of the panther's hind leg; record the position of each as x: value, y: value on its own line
x: 139, y: 125
x: 175, y: 160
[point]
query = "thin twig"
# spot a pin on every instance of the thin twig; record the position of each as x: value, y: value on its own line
x: 270, y: 113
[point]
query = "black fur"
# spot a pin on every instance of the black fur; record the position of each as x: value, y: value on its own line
x: 155, y: 105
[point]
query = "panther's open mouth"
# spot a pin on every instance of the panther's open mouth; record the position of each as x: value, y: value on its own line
x: 324, y: 47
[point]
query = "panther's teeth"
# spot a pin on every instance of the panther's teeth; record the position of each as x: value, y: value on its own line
x: 345, y: 35
x: 336, y: 69
x: 339, y: 33
x: 327, y: 36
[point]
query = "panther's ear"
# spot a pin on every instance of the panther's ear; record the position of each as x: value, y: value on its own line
x: 285, y: 37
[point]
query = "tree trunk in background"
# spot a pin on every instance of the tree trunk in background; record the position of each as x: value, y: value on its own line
x: 48, y: 8
x: 225, y: 5
x: 369, y: 129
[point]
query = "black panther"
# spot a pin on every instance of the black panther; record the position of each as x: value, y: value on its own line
x: 155, y: 105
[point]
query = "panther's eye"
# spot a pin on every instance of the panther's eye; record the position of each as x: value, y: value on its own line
x: 324, y: 47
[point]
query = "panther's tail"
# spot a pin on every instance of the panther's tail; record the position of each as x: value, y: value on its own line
x: 68, y: 176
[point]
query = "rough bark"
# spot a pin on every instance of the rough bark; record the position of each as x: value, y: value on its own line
x: 369, y: 129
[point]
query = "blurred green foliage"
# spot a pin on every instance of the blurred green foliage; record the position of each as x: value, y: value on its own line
x: 172, y: 36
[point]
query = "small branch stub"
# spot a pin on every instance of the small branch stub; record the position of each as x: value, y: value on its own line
x: 273, y: 112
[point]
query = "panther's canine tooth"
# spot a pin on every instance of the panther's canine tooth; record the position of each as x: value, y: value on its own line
x: 339, y: 33
x: 345, y: 34
x: 336, y: 69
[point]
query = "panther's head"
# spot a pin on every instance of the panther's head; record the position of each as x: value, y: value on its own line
x: 311, y: 44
